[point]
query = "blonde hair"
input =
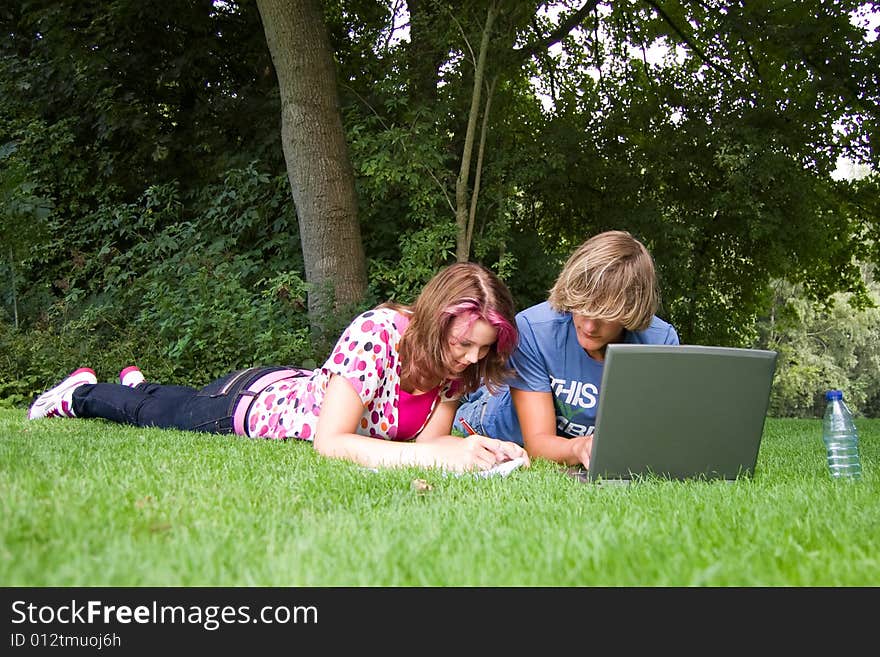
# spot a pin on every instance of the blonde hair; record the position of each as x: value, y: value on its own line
x: 610, y: 277
x: 463, y: 289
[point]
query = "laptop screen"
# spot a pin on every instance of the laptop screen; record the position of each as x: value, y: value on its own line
x: 681, y: 411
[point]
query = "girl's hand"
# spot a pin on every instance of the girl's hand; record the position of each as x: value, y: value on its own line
x: 505, y: 450
x: 481, y: 453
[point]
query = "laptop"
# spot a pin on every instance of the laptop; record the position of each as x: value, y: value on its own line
x: 679, y: 412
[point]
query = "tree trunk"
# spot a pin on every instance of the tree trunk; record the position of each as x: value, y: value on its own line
x: 318, y: 163
x: 462, y: 246
x: 484, y: 129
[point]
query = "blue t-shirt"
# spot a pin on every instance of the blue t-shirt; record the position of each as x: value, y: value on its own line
x: 549, y: 358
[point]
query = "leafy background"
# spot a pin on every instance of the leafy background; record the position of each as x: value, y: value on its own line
x: 145, y: 214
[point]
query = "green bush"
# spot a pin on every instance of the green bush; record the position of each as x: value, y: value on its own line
x: 822, y: 347
x: 188, y: 289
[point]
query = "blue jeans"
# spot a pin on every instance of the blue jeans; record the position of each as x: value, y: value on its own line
x: 472, y: 410
x: 207, y: 409
x: 489, y: 415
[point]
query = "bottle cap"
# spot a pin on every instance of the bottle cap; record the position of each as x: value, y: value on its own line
x: 833, y: 394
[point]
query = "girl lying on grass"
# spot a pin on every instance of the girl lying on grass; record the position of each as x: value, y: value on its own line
x: 386, y: 396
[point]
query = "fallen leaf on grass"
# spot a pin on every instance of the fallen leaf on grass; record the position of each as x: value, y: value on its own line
x: 420, y: 485
x: 144, y: 501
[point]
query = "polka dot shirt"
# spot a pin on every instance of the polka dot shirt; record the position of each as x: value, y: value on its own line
x: 368, y: 356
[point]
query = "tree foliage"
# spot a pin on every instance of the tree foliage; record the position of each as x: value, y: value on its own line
x: 709, y: 129
x: 710, y: 154
x: 822, y: 347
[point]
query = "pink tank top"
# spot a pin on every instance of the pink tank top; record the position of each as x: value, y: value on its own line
x: 413, y: 412
x: 413, y: 409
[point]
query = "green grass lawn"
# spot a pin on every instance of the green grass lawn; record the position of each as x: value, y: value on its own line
x: 88, y: 503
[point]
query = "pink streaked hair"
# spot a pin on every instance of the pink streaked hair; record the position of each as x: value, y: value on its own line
x: 505, y: 342
x: 464, y: 289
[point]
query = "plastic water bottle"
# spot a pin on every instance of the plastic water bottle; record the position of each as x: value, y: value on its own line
x: 841, y: 438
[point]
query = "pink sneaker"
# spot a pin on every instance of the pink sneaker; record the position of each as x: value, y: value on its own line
x: 131, y: 376
x: 57, y: 402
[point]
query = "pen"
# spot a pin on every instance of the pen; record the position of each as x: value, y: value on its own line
x: 467, y: 427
